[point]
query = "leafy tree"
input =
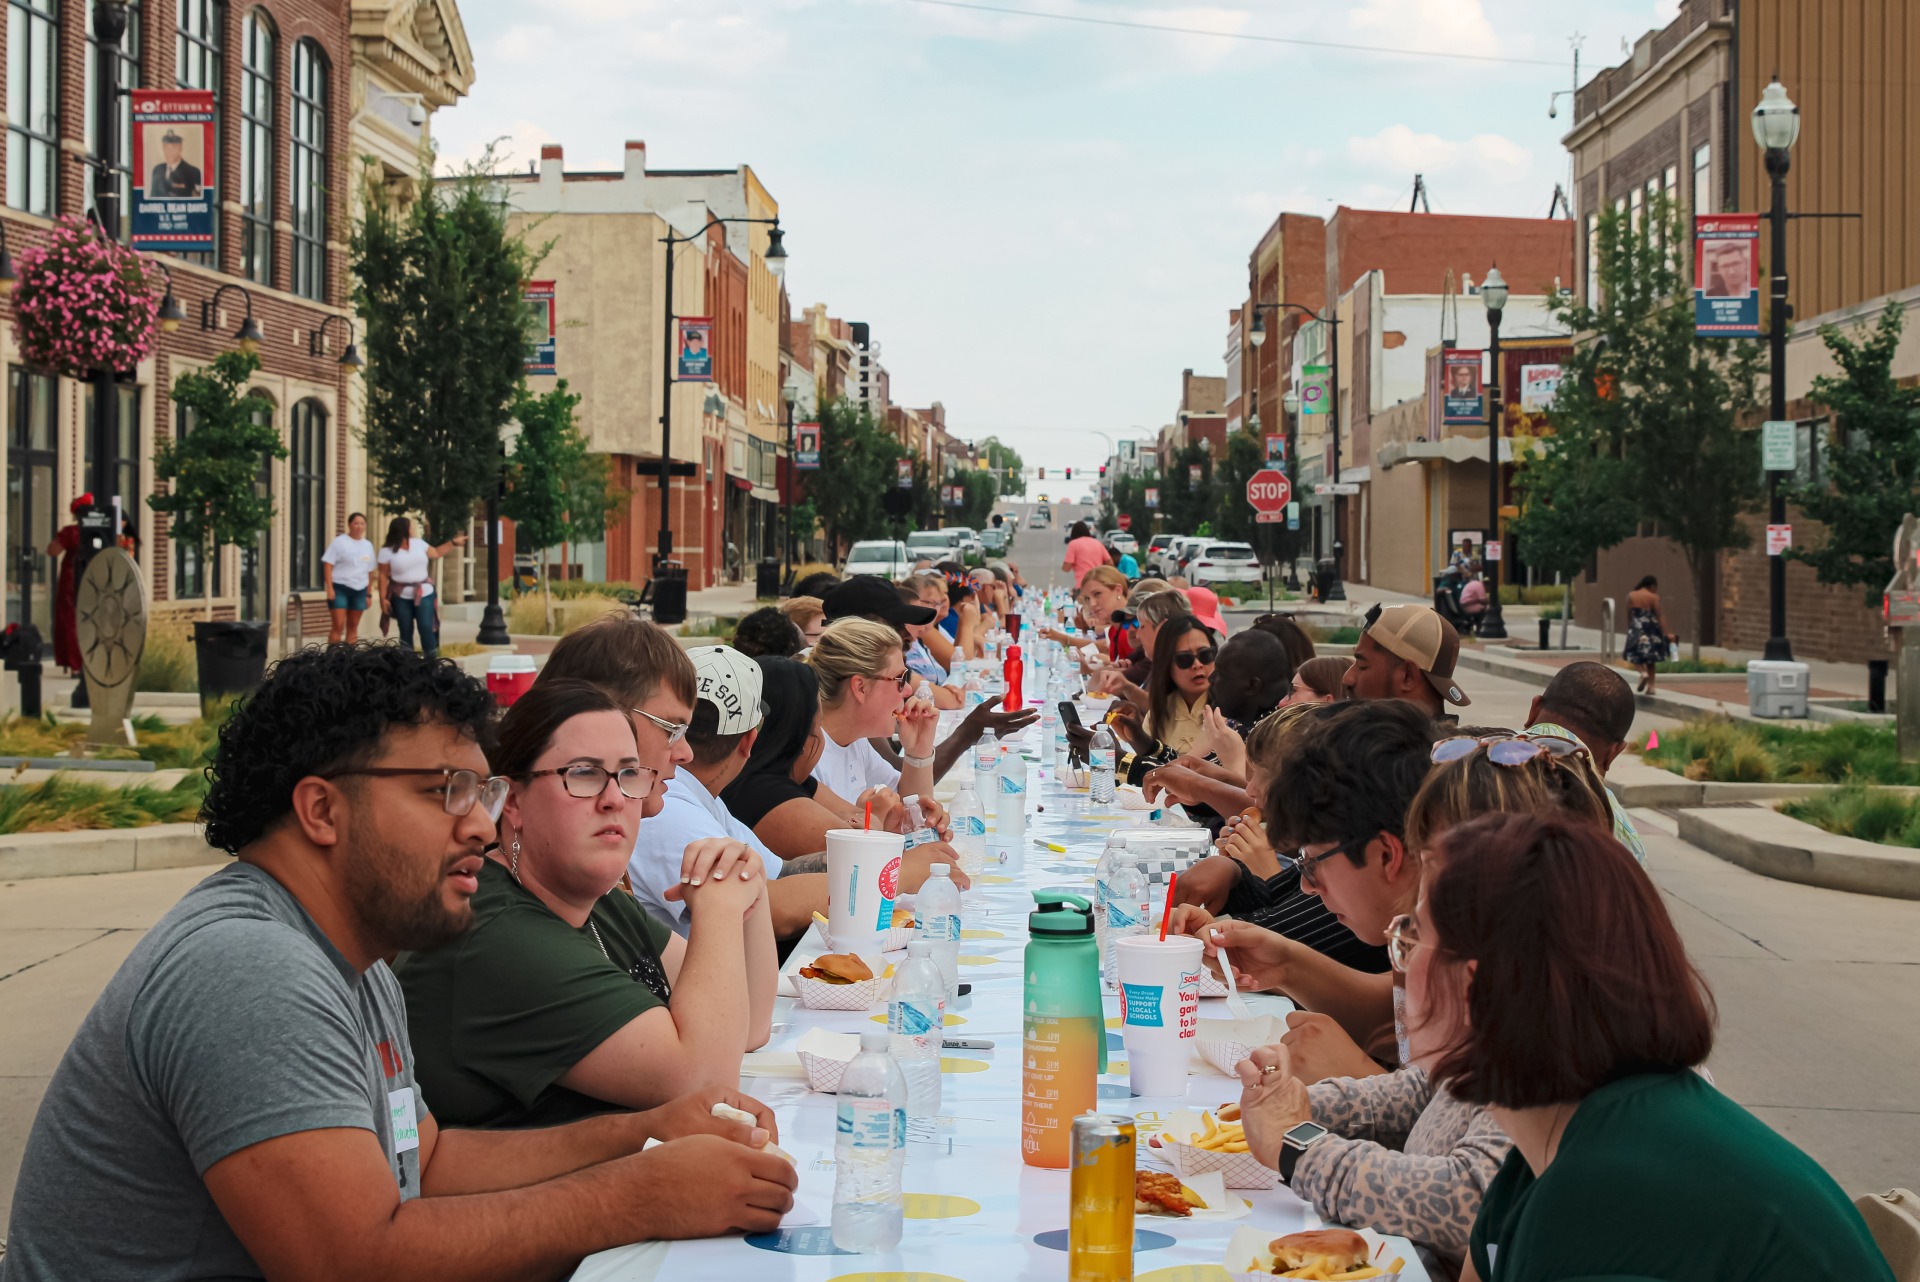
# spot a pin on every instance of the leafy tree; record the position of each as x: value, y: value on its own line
x: 212, y: 471
x: 1184, y: 502
x: 1232, y: 514
x: 1872, y: 456
x: 1665, y: 402
x: 439, y: 285
x: 980, y: 491
x: 1575, y: 498
x: 1128, y: 494
x: 1004, y: 463
x: 557, y: 490
x: 856, y: 469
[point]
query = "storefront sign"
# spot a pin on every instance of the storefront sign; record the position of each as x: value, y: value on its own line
x: 1461, y: 399
x: 1779, y: 539
x: 1726, y: 275
x: 1777, y: 446
x: 806, y: 449
x: 175, y: 169
x: 540, y: 330
x: 1314, y: 386
x: 1538, y: 386
x: 696, y: 354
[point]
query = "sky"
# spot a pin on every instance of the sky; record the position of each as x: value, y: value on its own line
x: 1044, y: 220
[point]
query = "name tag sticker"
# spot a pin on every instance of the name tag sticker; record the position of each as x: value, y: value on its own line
x: 405, y: 1124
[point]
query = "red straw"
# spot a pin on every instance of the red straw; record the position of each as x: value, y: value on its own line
x: 1167, y: 917
x: 868, y: 825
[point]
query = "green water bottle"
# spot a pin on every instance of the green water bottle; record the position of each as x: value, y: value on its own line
x: 1065, y: 1046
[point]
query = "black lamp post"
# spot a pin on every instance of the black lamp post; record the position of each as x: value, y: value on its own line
x: 1493, y: 292
x: 1776, y: 127
x: 493, y: 622
x: 1335, y: 590
x: 776, y: 257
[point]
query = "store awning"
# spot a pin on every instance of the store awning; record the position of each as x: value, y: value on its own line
x: 1454, y: 449
x: 740, y: 482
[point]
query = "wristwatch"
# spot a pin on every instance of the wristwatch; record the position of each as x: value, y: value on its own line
x: 1295, y: 1143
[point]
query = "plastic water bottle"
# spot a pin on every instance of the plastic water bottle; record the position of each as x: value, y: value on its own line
x: 973, y: 689
x: 938, y: 909
x: 1128, y: 910
x: 969, y: 831
x: 870, y: 1149
x: 916, y: 1021
x: 1049, y: 724
x: 1012, y: 672
x: 1100, y: 757
x: 986, y: 763
x: 1011, y: 820
x: 1114, y: 854
x: 919, y: 831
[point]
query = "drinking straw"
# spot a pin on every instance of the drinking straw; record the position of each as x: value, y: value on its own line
x: 868, y: 824
x: 1166, y: 917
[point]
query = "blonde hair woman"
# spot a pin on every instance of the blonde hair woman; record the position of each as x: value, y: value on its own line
x: 807, y: 614
x: 864, y: 682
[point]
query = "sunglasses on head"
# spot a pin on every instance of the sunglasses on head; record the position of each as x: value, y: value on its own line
x: 1507, y: 750
x: 1187, y: 658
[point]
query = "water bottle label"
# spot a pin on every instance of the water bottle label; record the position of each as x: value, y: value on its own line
x: 871, y: 1124
x: 1119, y: 917
x: 919, y: 837
x: 976, y: 697
x: 1008, y: 784
x: 915, y: 1019
x: 941, y: 928
x: 1101, y: 758
x: 971, y: 826
x: 1140, y: 1005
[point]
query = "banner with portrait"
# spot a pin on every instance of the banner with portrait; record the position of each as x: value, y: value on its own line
x: 1276, y: 451
x: 1726, y: 275
x: 695, y: 361
x: 540, y: 331
x: 176, y: 179
x: 1153, y: 497
x: 905, y: 473
x: 806, y: 449
x: 1460, y: 396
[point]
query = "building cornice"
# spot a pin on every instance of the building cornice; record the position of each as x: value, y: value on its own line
x: 1699, y: 43
x: 422, y: 43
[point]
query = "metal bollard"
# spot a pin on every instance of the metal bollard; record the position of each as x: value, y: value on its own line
x: 1607, y: 611
x: 296, y: 629
x: 1876, y: 685
x: 1546, y: 633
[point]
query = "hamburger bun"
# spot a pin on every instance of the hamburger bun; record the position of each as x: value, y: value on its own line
x: 1334, y: 1250
x: 838, y: 968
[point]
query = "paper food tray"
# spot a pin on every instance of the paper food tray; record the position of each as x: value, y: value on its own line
x: 825, y: 1056
x: 1211, y: 985
x: 1223, y: 1043
x: 892, y: 940
x: 1248, y: 1246
x: 819, y: 995
x: 1240, y: 1170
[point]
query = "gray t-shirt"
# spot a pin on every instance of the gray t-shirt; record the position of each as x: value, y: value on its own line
x: 234, y: 1021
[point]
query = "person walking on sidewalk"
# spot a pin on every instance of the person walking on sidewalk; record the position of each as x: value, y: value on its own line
x: 1649, y: 639
x: 406, y: 592
x: 347, y: 566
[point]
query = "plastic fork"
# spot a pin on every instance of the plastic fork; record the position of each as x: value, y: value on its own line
x: 1236, y: 1004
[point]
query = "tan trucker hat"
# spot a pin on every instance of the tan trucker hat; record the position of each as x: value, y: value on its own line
x: 1419, y: 635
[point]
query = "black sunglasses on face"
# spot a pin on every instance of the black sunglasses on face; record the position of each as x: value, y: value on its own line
x: 1187, y: 658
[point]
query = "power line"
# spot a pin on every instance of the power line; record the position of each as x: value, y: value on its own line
x: 1237, y: 35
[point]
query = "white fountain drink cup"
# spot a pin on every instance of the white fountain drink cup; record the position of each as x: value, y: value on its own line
x: 863, y: 876
x: 1160, y: 1010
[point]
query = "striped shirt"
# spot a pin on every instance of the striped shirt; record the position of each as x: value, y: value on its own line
x: 1280, y: 905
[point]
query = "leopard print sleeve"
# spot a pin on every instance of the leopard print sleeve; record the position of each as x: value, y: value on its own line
x: 1429, y: 1192
x: 1382, y: 1108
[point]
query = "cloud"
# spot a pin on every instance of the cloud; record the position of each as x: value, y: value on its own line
x: 1451, y: 26
x: 1399, y: 148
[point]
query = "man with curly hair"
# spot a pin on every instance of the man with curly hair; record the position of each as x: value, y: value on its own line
x: 240, y: 1102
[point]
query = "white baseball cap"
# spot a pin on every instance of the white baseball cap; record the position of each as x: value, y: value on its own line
x: 731, y: 682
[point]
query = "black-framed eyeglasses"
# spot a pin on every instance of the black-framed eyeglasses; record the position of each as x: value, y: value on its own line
x: 464, y: 788
x: 1508, y: 750
x: 1307, y: 864
x: 1187, y: 658
x: 675, y: 730
x: 585, y: 780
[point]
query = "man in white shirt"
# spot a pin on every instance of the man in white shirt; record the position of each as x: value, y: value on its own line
x: 727, y: 712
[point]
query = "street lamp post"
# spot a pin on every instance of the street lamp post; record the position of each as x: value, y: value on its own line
x: 493, y: 621
x: 1335, y: 590
x: 1776, y: 127
x: 1493, y: 292
x: 795, y: 387
x: 776, y: 257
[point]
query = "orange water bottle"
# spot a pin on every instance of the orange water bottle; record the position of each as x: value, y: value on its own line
x: 1064, y: 1049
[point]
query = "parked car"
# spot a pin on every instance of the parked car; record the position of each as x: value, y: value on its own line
x: 885, y: 557
x: 994, y: 539
x: 932, y: 543
x: 1157, y: 548
x: 1223, y: 563
x: 1122, y: 541
x: 965, y: 541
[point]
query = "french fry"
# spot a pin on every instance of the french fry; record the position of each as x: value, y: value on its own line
x: 1206, y: 1120
x: 1234, y: 1146
x: 1395, y: 1267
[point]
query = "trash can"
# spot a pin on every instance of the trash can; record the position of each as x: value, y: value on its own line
x: 231, y: 658
x: 766, y: 579
x: 1546, y: 633
x: 1776, y: 688
x: 670, y: 593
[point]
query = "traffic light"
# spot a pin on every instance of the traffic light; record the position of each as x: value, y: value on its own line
x: 1043, y: 473
x: 1069, y: 474
x: 1103, y: 471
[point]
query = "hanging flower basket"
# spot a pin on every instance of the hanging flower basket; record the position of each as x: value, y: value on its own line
x: 84, y: 303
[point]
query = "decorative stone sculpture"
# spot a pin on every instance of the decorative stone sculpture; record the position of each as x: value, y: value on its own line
x: 110, y: 615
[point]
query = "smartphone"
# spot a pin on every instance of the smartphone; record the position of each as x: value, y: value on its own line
x: 1069, y: 715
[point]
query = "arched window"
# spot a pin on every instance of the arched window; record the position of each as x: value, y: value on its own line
x: 307, y: 492
x: 256, y: 148
x: 129, y: 78
x: 33, y: 104
x: 198, y: 43
x: 309, y: 171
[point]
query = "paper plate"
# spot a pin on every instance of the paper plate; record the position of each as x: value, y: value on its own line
x: 1211, y: 1187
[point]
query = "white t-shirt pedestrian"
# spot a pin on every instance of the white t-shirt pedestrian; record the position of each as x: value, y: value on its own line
x: 850, y: 770
x: 351, y: 559
x: 407, y: 566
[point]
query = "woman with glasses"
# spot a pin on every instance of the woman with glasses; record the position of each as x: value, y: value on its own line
x: 565, y: 999
x: 1390, y: 1150
x: 864, y: 682
x: 1145, y: 614
x: 1547, y: 983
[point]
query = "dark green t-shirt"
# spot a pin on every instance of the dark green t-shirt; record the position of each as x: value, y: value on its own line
x: 1663, y: 1177
x: 500, y: 1015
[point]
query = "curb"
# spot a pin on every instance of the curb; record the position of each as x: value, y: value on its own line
x: 1763, y: 841
x: 28, y: 855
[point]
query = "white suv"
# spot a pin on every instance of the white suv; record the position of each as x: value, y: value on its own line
x: 1223, y: 563
x: 884, y: 557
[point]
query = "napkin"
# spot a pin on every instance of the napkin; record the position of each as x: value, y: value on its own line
x: 1210, y: 1188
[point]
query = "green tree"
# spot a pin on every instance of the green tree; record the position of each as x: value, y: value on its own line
x: 1575, y: 500
x: 1666, y: 402
x: 212, y: 471
x: 558, y: 491
x: 1232, y: 514
x: 1872, y: 458
x: 1004, y: 463
x: 856, y: 469
x: 980, y: 492
x: 440, y: 287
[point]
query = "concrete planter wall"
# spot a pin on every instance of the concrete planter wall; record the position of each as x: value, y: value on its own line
x: 1762, y: 840
x: 68, y: 854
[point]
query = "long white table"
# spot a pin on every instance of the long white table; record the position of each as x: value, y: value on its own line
x: 975, y: 1212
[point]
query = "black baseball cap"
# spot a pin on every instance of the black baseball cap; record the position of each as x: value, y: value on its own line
x: 870, y: 595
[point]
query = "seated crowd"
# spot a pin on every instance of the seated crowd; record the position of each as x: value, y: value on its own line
x: 467, y: 966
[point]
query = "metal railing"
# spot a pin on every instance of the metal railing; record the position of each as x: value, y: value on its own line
x: 1607, y: 612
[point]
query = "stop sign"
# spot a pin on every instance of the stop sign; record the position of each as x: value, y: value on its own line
x: 1268, y: 490
x: 1126, y: 520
